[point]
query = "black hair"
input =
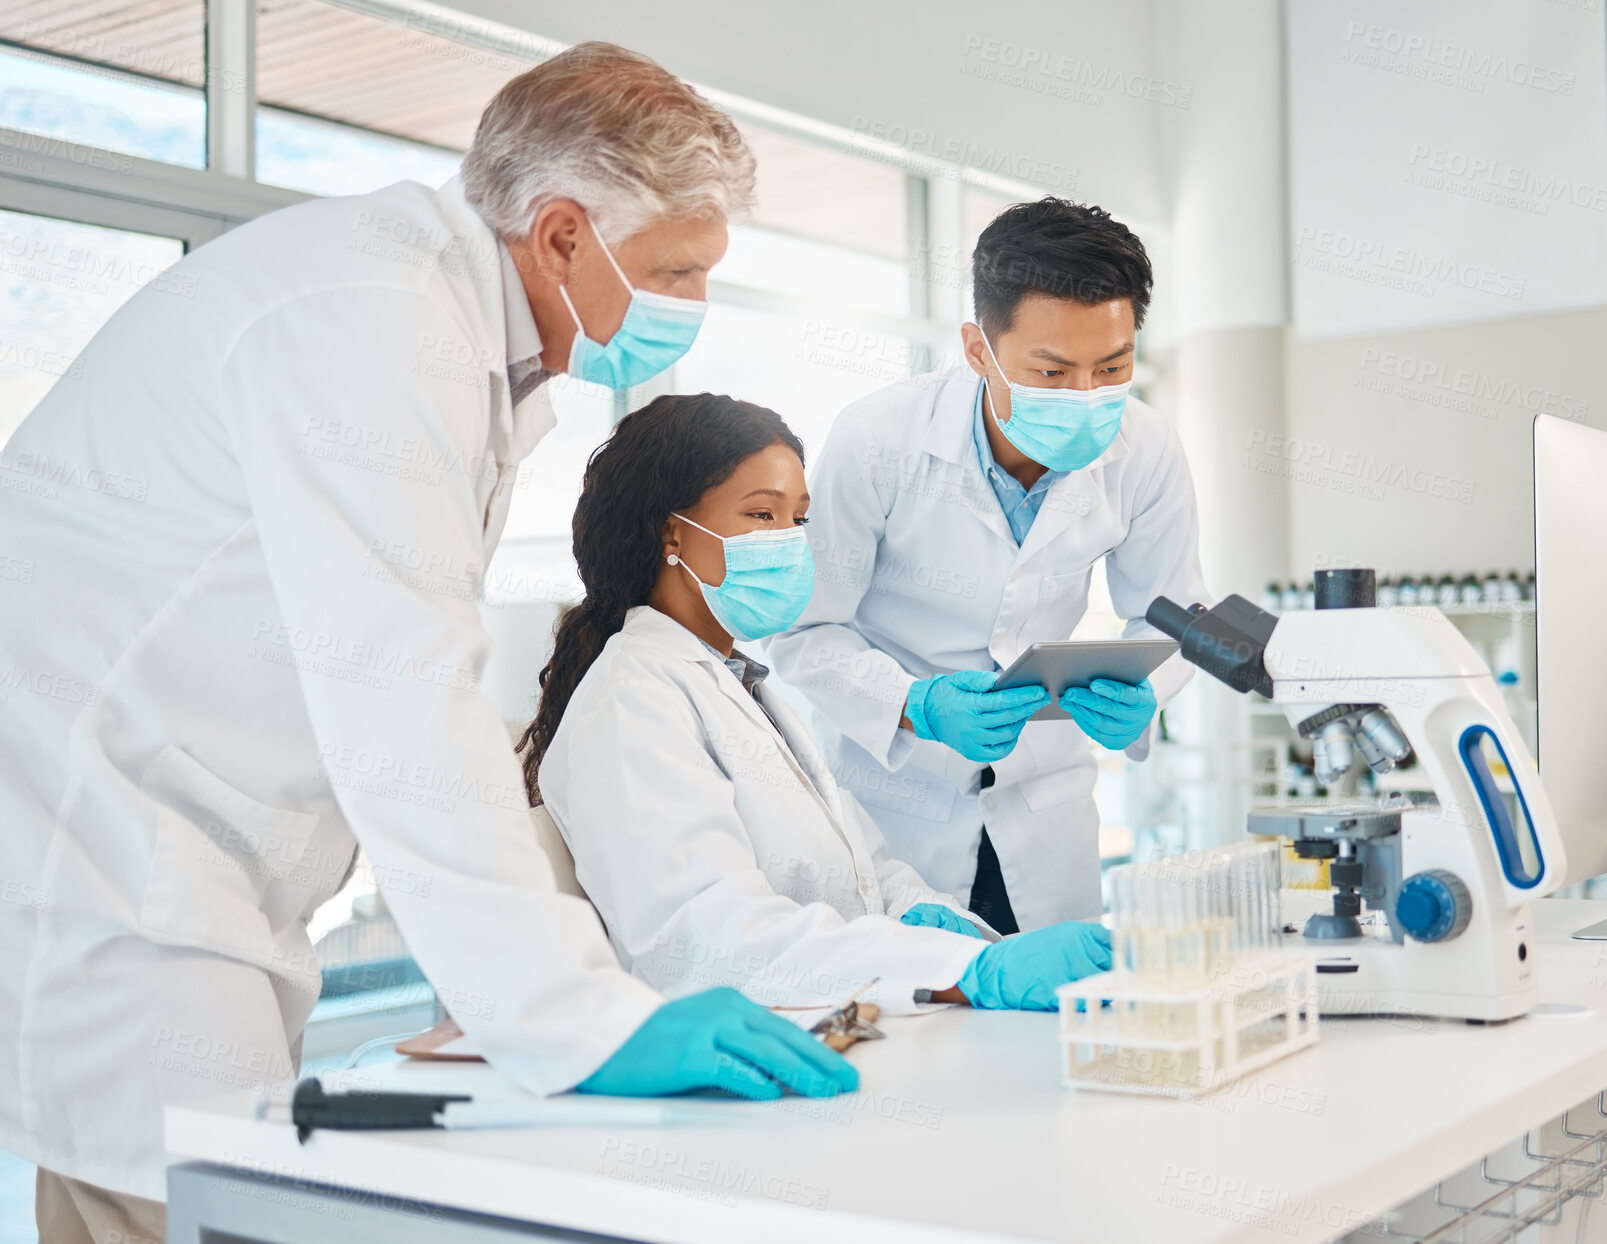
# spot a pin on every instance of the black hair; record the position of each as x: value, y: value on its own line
x: 1059, y: 248
x: 661, y: 458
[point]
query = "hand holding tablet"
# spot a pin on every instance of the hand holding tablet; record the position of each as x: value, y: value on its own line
x: 1060, y: 665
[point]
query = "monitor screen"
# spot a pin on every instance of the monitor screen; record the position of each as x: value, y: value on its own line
x: 1570, y: 536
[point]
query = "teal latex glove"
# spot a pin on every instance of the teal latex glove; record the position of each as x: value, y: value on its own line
x: 1021, y: 973
x: 963, y: 711
x: 1113, y: 714
x: 936, y: 916
x: 718, y: 1039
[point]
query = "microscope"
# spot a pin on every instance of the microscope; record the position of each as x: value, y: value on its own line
x: 1453, y: 878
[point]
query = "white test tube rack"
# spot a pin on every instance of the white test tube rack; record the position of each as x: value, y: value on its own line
x: 1180, y: 1041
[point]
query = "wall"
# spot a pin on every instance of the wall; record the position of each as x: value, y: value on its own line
x: 1410, y: 450
x: 1448, y: 162
x: 1448, y: 190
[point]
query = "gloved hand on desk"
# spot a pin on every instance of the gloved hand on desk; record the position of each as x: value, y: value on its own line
x: 962, y: 711
x: 936, y: 916
x: 1021, y: 973
x: 1113, y: 714
x: 719, y: 1039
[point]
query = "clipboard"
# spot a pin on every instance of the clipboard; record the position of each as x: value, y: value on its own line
x: 437, y: 1044
x: 434, y: 1045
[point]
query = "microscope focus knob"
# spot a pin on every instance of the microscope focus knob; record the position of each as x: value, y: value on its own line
x: 1433, y: 906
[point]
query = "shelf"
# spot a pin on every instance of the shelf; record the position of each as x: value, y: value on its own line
x: 1509, y: 609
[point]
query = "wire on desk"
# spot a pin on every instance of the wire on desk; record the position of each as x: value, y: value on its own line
x: 396, y: 1038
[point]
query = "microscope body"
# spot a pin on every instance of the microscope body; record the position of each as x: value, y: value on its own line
x: 1468, y: 864
x: 1454, y: 877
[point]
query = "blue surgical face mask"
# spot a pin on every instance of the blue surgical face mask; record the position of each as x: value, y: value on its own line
x: 656, y: 331
x: 769, y: 577
x: 1063, y: 429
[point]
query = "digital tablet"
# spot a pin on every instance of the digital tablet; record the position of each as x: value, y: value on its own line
x: 1061, y: 664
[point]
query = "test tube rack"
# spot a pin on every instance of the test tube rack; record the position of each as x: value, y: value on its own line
x: 1123, y: 1033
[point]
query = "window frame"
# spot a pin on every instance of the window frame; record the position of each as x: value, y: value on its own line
x: 50, y: 177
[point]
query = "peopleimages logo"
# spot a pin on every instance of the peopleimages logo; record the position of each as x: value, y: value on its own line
x: 1348, y: 470
x: 1461, y: 388
x: 1457, y: 64
x: 1486, y: 172
x: 1367, y: 259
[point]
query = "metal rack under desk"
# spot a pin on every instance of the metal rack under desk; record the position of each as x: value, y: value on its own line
x: 1533, y: 1200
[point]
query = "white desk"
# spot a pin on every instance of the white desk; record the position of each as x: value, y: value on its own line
x: 960, y: 1132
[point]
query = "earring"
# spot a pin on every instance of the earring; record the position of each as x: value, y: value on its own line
x: 673, y: 560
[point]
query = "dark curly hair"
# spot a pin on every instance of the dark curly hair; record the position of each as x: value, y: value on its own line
x: 662, y: 458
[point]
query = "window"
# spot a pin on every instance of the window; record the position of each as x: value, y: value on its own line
x: 823, y: 272
x: 59, y: 282
x: 548, y: 484
x: 108, y: 75
x: 324, y: 157
x: 350, y: 102
x: 813, y: 191
x: 805, y: 369
x: 980, y: 207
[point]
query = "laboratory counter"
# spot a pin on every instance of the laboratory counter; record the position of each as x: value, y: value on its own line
x: 960, y: 1132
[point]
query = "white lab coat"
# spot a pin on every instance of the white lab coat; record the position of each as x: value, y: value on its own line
x: 918, y: 575
x: 716, y: 845
x: 254, y: 522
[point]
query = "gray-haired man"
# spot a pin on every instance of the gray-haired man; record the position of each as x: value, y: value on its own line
x: 258, y: 515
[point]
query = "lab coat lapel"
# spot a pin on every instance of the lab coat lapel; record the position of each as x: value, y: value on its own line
x: 484, y: 264
x: 801, y: 746
x: 669, y: 634
x: 796, y: 749
x: 951, y: 438
x: 733, y: 690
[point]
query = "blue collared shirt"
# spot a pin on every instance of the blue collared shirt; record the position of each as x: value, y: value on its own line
x: 1020, y: 505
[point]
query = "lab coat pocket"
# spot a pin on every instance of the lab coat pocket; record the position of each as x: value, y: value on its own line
x: 1058, y: 786
x: 216, y: 853
x: 912, y: 791
x: 1065, y: 592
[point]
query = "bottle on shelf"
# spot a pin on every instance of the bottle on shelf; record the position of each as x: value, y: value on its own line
x: 1445, y: 594
x: 1490, y: 589
x: 1272, y: 597
x: 1408, y: 592
x: 1291, y: 598
x: 1511, y: 589
x: 1529, y: 586
x: 1389, y: 595
x: 1508, y: 670
x: 1469, y: 592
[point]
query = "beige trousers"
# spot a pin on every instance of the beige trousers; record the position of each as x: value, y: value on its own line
x: 70, y: 1211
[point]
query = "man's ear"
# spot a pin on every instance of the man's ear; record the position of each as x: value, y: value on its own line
x: 975, y: 350
x: 554, y: 237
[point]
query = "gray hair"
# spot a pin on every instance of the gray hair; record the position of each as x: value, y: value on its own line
x: 615, y: 132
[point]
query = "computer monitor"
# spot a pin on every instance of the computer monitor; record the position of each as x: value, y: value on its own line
x: 1570, y: 547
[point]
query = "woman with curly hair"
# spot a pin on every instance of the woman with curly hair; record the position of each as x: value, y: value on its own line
x: 705, y: 826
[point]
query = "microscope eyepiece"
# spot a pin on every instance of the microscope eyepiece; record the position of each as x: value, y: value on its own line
x: 1228, y: 642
